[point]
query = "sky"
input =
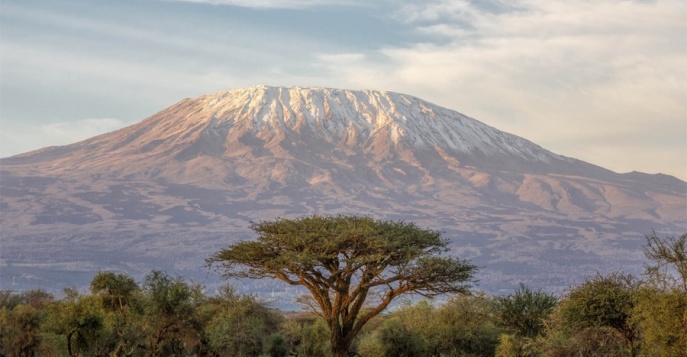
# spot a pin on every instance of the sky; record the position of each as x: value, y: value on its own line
x: 604, y: 81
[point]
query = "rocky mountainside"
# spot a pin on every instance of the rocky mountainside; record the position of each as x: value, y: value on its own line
x: 170, y: 190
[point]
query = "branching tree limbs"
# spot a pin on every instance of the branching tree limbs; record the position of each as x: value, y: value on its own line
x: 668, y: 256
x: 343, y: 261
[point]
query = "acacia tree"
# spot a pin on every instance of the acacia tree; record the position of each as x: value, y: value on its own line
x: 601, y: 303
x: 524, y: 311
x: 79, y: 319
x: 353, y: 267
x: 668, y: 267
x: 660, y: 311
x: 118, y: 294
x: 170, y: 321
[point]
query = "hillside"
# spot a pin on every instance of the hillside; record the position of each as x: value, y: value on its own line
x: 170, y: 190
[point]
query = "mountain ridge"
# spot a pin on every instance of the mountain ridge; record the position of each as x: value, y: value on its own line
x: 329, y: 112
x: 204, y: 167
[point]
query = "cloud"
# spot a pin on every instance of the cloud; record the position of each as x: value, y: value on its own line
x: 18, y: 138
x: 68, y: 132
x: 128, y: 37
x: 602, y: 81
x: 163, y: 62
x: 278, y: 4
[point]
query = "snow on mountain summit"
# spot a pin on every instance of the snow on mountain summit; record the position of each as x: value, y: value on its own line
x: 337, y: 114
x: 311, y: 126
x: 169, y: 190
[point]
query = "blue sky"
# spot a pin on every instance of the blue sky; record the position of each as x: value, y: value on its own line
x: 602, y: 81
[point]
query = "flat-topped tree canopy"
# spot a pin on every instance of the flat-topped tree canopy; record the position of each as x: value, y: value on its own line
x: 343, y: 260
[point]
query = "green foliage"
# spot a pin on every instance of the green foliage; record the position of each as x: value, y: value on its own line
x: 594, y: 319
x: 293, y: 332
x: 9, y: 300
x: 412, y: 323
x: 369, y: 345
x: 612, y: 315
x: 462, y: 326
x: 170, y: 324
x: 117, y: 291
x: 523, y: 314
x: 315, y: 339
x: 239, y: 325
x: 120, y: 296
x: 397, y: 340
x: 510, y: 346
x: 20, y: 331
x: 306, y: 335
x: 661, y: 318
x: 21, y: 319
x: 561, y: 339
x: 397, y: 335
x: 602, y: 301
x: 80, y: 322
x: 660, y: 311
x: 616, y: 315
x: 36, y: 298
x: 342, y: 260
x: 466, y: 327
x: 277, y: 346
x: 524, y: 311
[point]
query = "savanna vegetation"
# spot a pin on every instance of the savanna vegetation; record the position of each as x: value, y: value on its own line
x: 352, y: 269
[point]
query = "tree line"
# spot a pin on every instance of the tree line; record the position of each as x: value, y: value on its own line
x: 353, y: 268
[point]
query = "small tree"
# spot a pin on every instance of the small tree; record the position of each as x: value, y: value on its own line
x: 345, y: 261
x: 169, y: 315
x: 465, y: 326
x: 524, y: 311
x: 20, y: 330
x: 660, y: 311
x: 118, y: 294
x: 668, y: 267
x: 238, y: 325
x: 79, y: 320
x: 21, y: 319
x: 603, y: 302
x: 397, y: 340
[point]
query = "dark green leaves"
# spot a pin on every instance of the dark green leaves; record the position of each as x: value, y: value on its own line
x: 524, y: 311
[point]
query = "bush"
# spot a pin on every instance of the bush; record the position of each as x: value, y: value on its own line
x: 524, y: 311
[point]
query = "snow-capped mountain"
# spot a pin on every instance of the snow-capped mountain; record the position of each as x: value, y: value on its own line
x: 165, y: 190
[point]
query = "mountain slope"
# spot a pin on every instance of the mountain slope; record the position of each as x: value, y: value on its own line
x: 375, y: 122
x: 206, y: 166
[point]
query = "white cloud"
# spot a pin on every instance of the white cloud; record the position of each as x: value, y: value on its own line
x: 278, y: 4
x: 603, y: 81
x: 342, y: 59
x: 18, y: 138
x: 151, y: 61
x: 68, y: 132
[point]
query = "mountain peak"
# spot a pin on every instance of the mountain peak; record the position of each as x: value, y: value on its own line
x: 379, y: 124
x: 181, y: 181
x: 337, y: 114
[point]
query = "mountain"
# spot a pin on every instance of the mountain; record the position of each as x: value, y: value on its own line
x: 172, y: 189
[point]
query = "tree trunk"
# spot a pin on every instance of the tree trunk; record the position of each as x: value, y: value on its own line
x: 340, y: 345
x: 69, y: 343
x: 340, y: 352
